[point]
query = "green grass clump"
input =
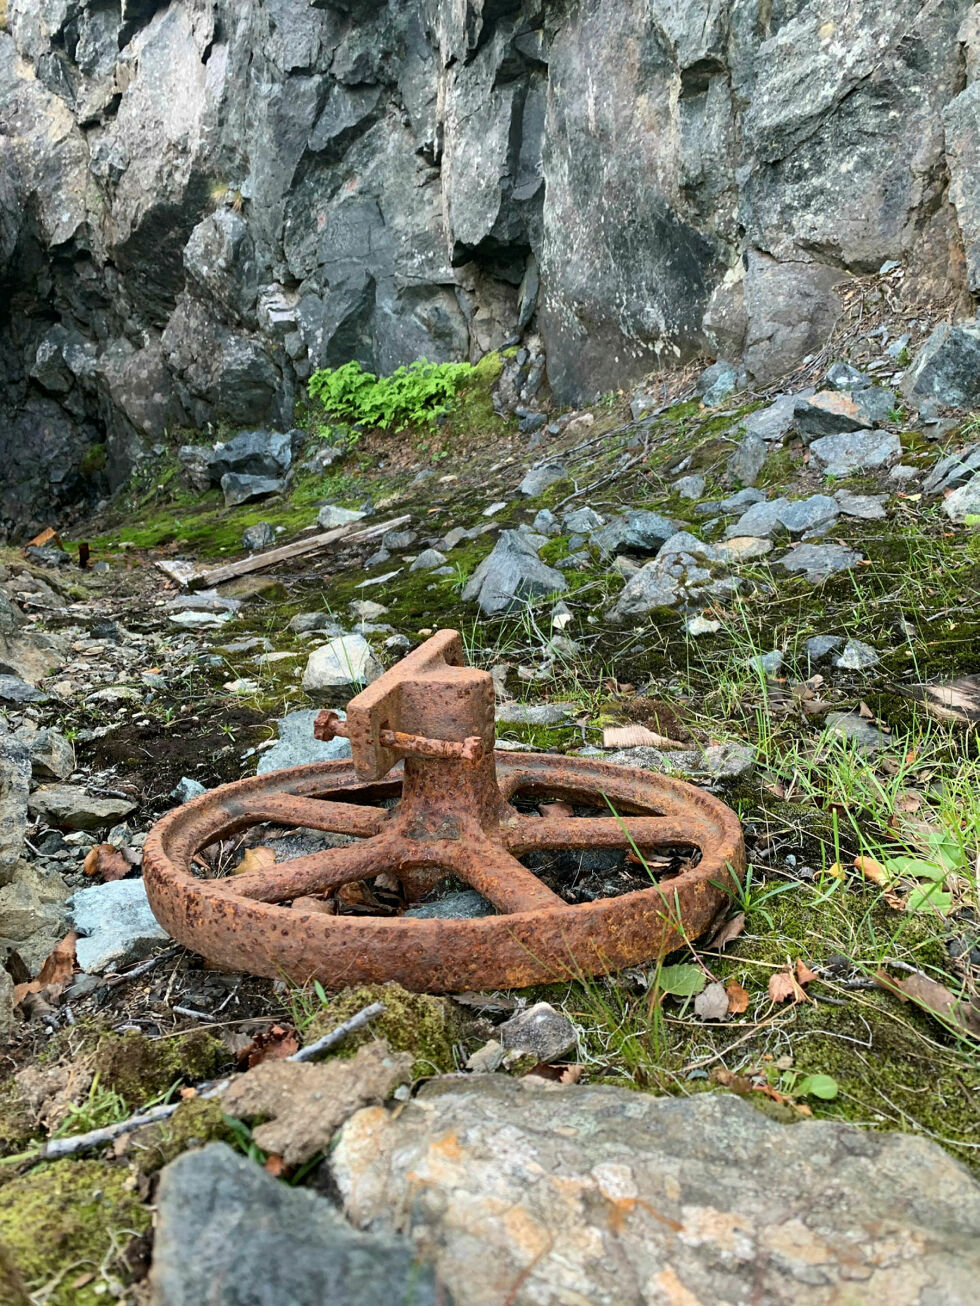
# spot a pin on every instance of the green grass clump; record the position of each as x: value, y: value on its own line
x: 411, y: 396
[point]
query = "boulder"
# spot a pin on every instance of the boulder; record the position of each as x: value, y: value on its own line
x: 856, y: 451
x: 946, y: 370
x: 114, y: 924
x: 253, y: 453
x: 219, y: 1235
x: 626, y: 1198
x: 512, y: 574
x: 343, y: 666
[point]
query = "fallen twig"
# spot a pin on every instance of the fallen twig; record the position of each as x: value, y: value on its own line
x: 55, y: 1148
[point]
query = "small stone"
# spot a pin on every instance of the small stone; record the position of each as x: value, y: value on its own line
x: 546, y: 523
x: 743, y: 548
x: 767, y: 664
x: 732, y: 760
x: 397, y: 540
x: 510, y: 575
x: 541, y: 1032
x: 462, y: 906
x: 856, y: 451
x: 582, y: 521
x: 538, y: 479
x: 534, y: 714
x: 963, y: 502
x: 346, y: 664
x: 857, y: 656
x: 331, y: 515
x: 297, y: 745
x: 748, y: 460
x: 863, y: 734
x: 193, y: 619
x: 690, y: 487
x: 398, y: 643
x: 699, y: 625
x: 367, y: 609
x: 259, y: 536
x: 865, y: 507
x: 818, y: 512
x: 185, y: 789
x: 819, y: 561
x: 820, y: 647
x: 716, y: 383
x: 953, y: 470
x: 304, y: 622
x: 115, y: 925
x: 737, y: 502
x: 902, y: 473
x: 639, y: 531
x: 238, y: 488
x: 71, y: 808
x: 774, y: 423
x: 842, y: 376
x: 831, y: 412
x: 427, y: 560
x: 52, y: 754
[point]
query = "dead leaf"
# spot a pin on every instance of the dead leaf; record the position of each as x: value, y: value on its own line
x: 865, y: 711
x: 556, y: 809
x: 727, y: 932
x: 106, y: 861
x: 49, y: 536
x: 961, y: 1016
x: 784, y: 987
x: 258, y: 858
x: 712, y: 1002
x: 635, y: 736
x: 738, y: 998
x: 872, y: 870
x: 272, y: 1044
x: 303, y: 1103
x: 571, y: 1074
x: 275, y: 1166
x: 804, y: 975
x: 55, y: 973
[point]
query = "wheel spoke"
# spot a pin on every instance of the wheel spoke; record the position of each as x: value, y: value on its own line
x: 316, y: 814
x: 314, y: 873
x: 606, y: 832
x: 502, y: 879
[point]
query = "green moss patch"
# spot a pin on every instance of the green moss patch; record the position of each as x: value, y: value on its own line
x: 411, y: 1022
x: 195, y: 1122
x: 139, y: 1068
x: 64, y: 1221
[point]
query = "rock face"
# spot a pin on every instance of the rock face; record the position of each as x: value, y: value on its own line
x: 637, y: 1200
x: 201, y: 203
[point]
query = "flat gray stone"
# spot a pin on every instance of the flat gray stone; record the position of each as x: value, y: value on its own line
x: 238, y: 488
x: 774, y: 423
x: 686, y: 572
x: 842, y: 376
x: 865, y: 507
x: 818, y: 512
x: 346, y: 664
x: 830, y: 412
x: 298, y: 747
x: 15, y: 690
x: 749, y: 459
x: 115, y: 925
x: 856, y: 451
x: 304, y: 622
x: 716, y: 383
x: 737, y: 502
x: 228, y: 1234
x: 186, y: 789
x: 731, y: 760
x: 963, y: 502
x: 540, y: 1031
x: 428, y: 560
x: 331, y: 515
x: 511, y: 575
x: 69, y: 807
x: 534, y: 714
x: 635, y: 1200
x: 863, y: 734
x: 260, y: 536
x: 582, y: 521
x: 690, y: 487
x: 818, y: 561
x: 820, y: 647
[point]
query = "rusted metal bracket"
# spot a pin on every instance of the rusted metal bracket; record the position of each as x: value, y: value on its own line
x: 423, y: 734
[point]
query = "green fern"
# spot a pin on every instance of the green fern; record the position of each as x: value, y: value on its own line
x: 417, y: 395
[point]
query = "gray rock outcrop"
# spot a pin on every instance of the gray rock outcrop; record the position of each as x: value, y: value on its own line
x: 201, y: 203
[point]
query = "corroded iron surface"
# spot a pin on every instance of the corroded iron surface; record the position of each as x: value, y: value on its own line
x: 423, y: 735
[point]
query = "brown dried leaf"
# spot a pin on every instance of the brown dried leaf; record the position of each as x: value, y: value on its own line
x: 255, y: 859
x: 783, y: 987
x: 865, y: 711
x: 272, y: 1044
x: 804, y: 975
x: 55, y: 973
x: 930, y: 995
x: 557, y: 808
x: 635, y: 736
x: 106, y: 861
x: 738, y: 998
x: 303, y: 1103
x: 727, y: 932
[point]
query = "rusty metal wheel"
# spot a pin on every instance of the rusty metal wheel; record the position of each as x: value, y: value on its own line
x: 467, y: 826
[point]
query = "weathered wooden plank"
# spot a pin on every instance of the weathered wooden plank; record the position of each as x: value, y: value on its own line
x: 260, y: 561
